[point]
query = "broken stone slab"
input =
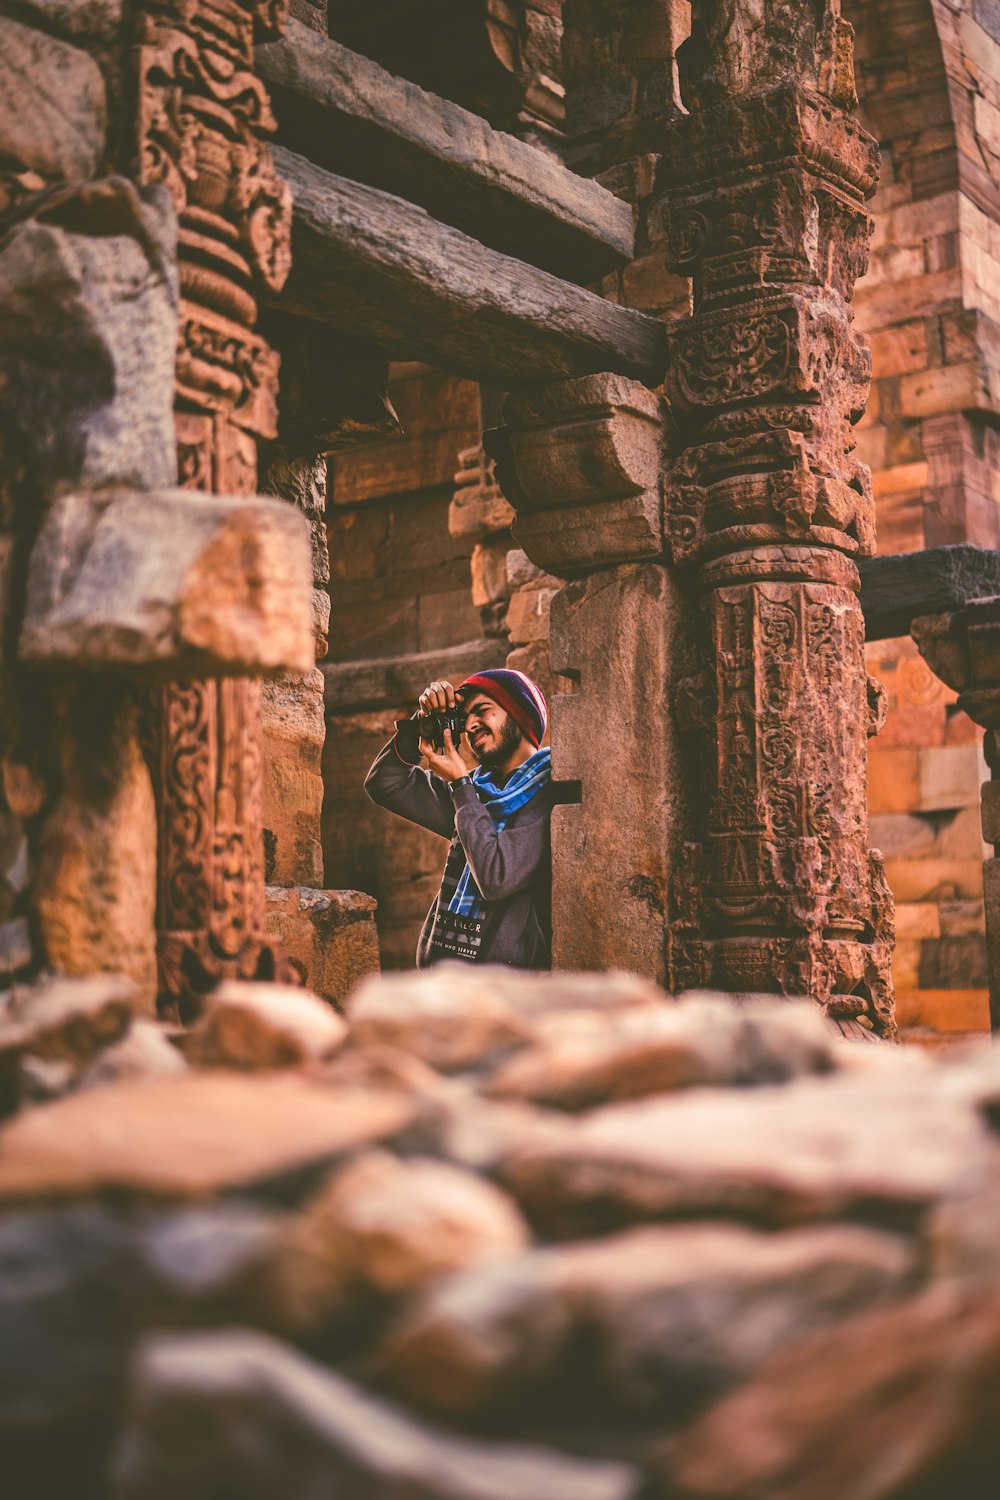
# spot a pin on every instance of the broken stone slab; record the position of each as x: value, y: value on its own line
x: 900, y: 587
x: 454, y: 1016
x: 179, y: 583
x: 648, y: 1324
x: 387, y: 1227
x: 53, y: 105
x: 88, y: 335
x: 253, y: 1025
x: 254, y: 1413
x: 145, y: 1051
x: 190, y: 1136
x: 329, y: 937
x: 582, y: 1059
x: 895, y: 1402
x: 80, y: 1280
x: 65, y: 1021
x: 854, y: 1145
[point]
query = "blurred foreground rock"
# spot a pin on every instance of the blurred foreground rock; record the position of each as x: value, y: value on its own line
x: 492, y: 1235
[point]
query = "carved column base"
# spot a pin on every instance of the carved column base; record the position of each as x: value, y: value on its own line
x: 211, y: 885
x: 782, y: 895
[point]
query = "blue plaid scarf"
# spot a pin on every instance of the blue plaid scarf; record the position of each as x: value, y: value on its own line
x: 502, y: 802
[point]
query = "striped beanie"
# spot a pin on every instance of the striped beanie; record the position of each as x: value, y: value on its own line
x: 516, y: 694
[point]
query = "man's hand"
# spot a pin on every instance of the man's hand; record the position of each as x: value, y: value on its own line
x: 436, y: 698
x: 446, y: 763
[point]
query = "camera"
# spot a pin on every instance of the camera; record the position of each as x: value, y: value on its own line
x: 433, y: 726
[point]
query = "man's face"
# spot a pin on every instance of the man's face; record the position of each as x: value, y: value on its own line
x: 493, y: 734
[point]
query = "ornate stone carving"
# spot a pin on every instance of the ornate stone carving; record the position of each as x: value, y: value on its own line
x: 200, y: 115
x: 766, y: 182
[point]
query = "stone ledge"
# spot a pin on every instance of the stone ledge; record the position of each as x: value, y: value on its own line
x: 174, y: 582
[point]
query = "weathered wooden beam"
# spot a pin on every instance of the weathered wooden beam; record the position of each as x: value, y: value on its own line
x: 374, y: 265
x: 355, y: 686
x: 348, y: 114
x: 898, y: 588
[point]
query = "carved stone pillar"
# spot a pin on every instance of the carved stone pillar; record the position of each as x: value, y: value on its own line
x: 963, y: 649
x: 201, y: 112
x: 765, y: 185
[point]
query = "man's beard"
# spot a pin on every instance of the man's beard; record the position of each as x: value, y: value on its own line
x: 504, y: 747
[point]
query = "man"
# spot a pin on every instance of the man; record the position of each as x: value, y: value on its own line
x: 494, y: 905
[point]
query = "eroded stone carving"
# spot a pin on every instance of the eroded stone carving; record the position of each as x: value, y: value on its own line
x: 201, y: 115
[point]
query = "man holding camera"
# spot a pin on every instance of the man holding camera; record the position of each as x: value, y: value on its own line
x: 494, y: 905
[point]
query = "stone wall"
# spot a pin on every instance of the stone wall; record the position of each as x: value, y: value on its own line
x: 496, y: 1237
x: 929, y: 83
x: 402, y: 614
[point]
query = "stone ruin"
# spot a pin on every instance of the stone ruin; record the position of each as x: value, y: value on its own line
x: 659, y: 1229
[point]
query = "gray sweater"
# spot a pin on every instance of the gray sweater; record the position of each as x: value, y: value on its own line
x: 512, y: 866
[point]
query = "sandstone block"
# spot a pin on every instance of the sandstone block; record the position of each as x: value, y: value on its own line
x: 225, y: 1131
x: 576, y: 538
x: 807, y: 1150
x: 294, y: 732
x: 177, y: 582
x: 255, y: 1025
x: 488, y: 565
x: 943, y: 1010
x: 622, y: 636
x: 477, y: 510
x: 145, y: 1051
x: 456, y: 1016
x: 521, y: 571
x: 103, y: 819
x: 870, y: 1408
x: 66, y: 1021
x: 253, y: 1411
x: 650, y: 1322
x: 391, y: 1228
x: 53, y: 108
x: 329, y: 937
x: 88, y: 335
x: 528, y: 615
x: 580, y: 1059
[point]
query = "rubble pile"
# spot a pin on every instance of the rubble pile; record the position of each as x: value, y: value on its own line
x: 494, y: 1235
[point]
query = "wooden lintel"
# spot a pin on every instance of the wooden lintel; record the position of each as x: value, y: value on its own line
x: 348, y: 114
x: 377, y: 266
x: 898, y: 588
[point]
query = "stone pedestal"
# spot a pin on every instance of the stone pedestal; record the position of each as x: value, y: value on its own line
x: 620, y: 636
x: 329, y: 937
